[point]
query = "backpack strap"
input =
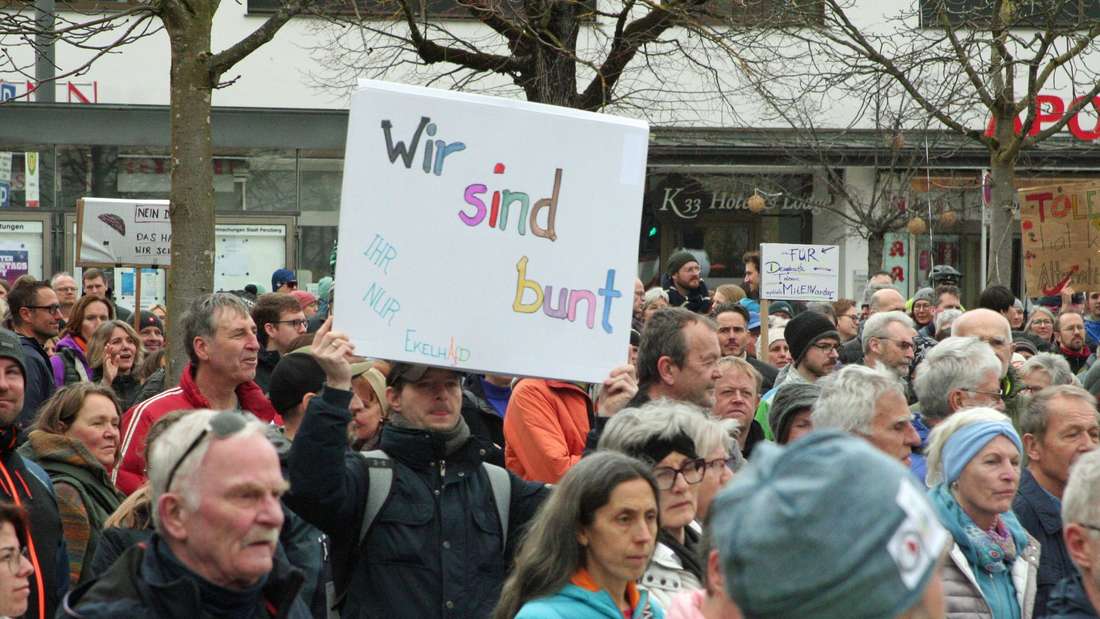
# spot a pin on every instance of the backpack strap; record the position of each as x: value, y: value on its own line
x: 380, y: 470
x: 501, y: 483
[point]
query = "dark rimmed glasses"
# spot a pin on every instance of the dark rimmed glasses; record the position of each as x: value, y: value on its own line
x: 692, y: 471
x: 221, y: 425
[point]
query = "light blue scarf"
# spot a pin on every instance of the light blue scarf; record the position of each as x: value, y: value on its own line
x: 990, y: 558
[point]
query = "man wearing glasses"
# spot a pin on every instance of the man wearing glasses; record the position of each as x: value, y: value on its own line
x: 888, y: 343
x: 35, y: 316
x: 993, y: 329
x: 1078, y: 595
x: 279, y: 321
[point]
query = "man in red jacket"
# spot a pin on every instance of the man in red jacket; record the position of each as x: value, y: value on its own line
x: 220, y: 338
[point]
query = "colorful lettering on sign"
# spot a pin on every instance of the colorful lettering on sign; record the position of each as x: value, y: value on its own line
x: 567, y: 300
x: 432, y: 162
x: 380, y: 252
x: 504, y: 200
x: 451, y: 352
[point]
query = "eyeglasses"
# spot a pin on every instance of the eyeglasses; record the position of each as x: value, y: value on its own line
x: 902, y: 344
x: 53, y: 309
x: 717, y: 465
x: 992, y: 394
x: 922, y: 306
x: 852, y: 317
x: 1090, y: 527
x: 297, y: 324
x: 827, y: 348
x: 14, y: 559
x: 692, y: 471
x: 222, y: 425
x: 1042, y: 322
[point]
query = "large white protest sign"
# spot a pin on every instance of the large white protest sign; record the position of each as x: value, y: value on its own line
x: 799, y: 272
x: 123, y: 232
x: 488, y: 234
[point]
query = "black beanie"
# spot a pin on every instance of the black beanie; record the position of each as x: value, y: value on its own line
x: 805, y: 329
x: 679, y: 259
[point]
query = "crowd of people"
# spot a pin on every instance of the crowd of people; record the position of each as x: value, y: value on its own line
x: 887, y: 457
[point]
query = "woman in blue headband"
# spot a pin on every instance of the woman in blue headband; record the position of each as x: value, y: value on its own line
x: 973, y: 472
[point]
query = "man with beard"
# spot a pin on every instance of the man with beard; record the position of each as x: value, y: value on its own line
x: 1069, y: 331
x: 814, y: 344
x: 733, y: 339
x: 685, y: 286
x: 884, y: 300
x: 751, y: 283
x: 35, y: 316
x: 888, y: 343
x: 220, y: 338
x: 1059, y: 426
x: 737, y: 394
x: 27, y: 485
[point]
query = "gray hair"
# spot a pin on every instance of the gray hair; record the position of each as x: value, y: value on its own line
x: 631, y: 428
x: 663, y: 336
x: 943, y: 431
x: 1081, y: 499
x: 877, y: 324
x: 1036, y: 416
x: 200, y: 319
x: 946, y: 317
x: 743, y: 366
x: 172, y: 445
x: 848, y: 397
x: 822, y: 307
x: 652, y: 295
x: 871, y: 290
x: 1056, y: 367
x: 715, y: 433
x: 954, y: 363
x: 1035, y: 311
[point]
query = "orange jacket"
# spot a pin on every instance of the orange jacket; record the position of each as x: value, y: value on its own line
x: 545, y: 428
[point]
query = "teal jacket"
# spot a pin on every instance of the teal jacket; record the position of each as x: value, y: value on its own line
x: 574, y: 602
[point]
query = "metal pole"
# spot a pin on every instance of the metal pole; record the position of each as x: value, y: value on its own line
x: 44, y: 64
x: 984, y: 249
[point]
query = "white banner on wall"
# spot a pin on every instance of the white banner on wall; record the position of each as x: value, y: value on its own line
x: 5, y: 166
x: 799, y: 272
x: 489, y: 234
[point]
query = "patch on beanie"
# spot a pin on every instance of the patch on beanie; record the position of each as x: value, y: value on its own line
x: 919, y: 538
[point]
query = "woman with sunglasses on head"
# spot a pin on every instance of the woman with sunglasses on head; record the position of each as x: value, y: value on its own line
x: 663, y: 434
x: 586, y: 547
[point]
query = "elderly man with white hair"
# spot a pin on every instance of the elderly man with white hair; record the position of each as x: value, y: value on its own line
x: 216, y: 489
x: 884, y: 300
x: 958, y: 373
x: 888, y: 342
x: 869, y: 403
x: 1078, y: 595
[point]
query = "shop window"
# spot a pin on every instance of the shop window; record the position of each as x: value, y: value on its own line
x: 1028, y: 13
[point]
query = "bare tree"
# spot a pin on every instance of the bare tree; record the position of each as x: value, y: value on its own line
x: 195, y: 72
x: 963, y: 62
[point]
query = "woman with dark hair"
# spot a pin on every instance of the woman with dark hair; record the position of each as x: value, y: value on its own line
x: 17, y: 568
x: 76, y: 440
x: 70, y: 360
x: 587, y: 545
x: 115, y: 354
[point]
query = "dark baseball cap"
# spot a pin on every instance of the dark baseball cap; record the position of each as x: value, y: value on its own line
x: 294, y: 376
x: 409, y: 372
x: 11, y: 348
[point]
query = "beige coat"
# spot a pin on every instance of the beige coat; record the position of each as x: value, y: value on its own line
x: 963, y: 597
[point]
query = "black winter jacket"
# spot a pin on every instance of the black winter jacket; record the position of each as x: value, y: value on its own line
x: 39, y: 380
x: 137, y: 587
x: 1069, y: 601
x: 434, y: 550
x: 1041, y: 516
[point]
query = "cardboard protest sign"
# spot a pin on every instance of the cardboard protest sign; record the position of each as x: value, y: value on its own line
x: 123, y: 232
x: 792, y: 272
x: 1060, y: 228
x: 488, y: 234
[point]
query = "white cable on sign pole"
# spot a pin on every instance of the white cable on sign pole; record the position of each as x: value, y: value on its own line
x: 985, y: 233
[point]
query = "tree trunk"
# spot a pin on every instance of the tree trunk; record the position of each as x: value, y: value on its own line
x: 553, y: 76
x: 192, y: 194
x: 1002, y: 172
x: 875, y: 243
